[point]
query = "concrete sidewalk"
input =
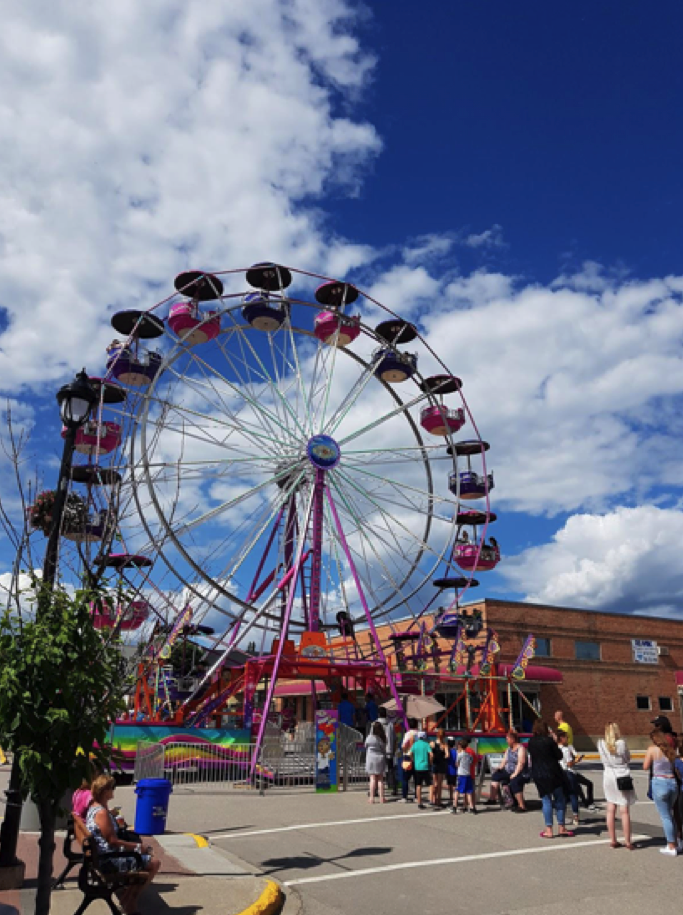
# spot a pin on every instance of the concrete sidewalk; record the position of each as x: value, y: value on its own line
x: 194, y: 878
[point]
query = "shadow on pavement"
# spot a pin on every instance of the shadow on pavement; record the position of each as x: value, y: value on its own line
x: 308, y: 861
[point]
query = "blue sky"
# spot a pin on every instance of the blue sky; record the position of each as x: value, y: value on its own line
x: 507, y: 175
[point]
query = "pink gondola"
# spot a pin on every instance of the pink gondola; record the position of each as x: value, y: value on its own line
x: 466, y: 557
x: 109, y: 435
x: 134, y: 615
x: 440, y: 420
x: 191, y: 325
x: 327, y: 323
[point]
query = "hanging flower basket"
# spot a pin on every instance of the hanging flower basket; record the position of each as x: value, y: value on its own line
x: 40, y: 513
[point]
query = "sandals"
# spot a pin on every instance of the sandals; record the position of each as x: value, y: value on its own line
x: 567, y: 834
x: 544, y: 835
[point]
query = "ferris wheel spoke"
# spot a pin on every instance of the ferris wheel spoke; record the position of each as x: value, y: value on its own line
x: 328, y: 361
x: 233, y: 503
x: 403, y: 408
x: 237, y: 422
x: 248, y: 382
x: 394, y: 549
x: 259, y: 408
x: 422, y: 543
x: 248, y: 542
x: 350, y: 399
x: 273, y: 387
x: 361, y: 554
x: 401, y: 487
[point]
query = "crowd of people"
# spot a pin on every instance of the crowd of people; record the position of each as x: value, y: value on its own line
x: 434, y: 761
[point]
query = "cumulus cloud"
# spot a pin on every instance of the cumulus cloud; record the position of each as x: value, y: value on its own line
x: 490, y: 238
x: 626, y: 560
x: 143, y: 138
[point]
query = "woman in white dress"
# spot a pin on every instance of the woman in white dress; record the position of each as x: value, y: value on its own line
x: 615, y: 758
x: 376, y: 760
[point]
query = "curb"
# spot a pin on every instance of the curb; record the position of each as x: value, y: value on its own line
x: 200, y: 841
x: 269, y: 902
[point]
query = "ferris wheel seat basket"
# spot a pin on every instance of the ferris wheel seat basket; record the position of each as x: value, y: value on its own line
x: 466, y: 557
x: 131, y: 618
x: 262, y: 313
x: 135, y: 372
x: 92, y: 530
x: 440, y: 420
x: 472, y: 485
x: 474, y: 517
x: 331, y: 328
x: 109, y: 434
x: 192, y: 326
x: 394, y: 368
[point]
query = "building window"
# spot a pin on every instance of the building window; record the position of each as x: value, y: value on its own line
x: 543, y: 648
x: 666, y: 704
x: 643, y: 703
x: 587, y: 651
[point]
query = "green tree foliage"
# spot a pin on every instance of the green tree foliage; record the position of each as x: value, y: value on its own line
x: 61, y: 685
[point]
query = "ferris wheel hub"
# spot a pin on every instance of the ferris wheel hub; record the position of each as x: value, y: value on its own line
x: 323, y: 452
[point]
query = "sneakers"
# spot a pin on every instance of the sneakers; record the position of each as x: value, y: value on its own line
x: 454, y: 809
x: 421, y: 807
x: 672, y: 852
x: 490, y: 803
x: 575, y: 821
x: 473, y: 810
x: 593, y: 808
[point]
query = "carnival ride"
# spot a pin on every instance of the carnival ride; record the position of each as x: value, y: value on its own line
x: 292, y: 472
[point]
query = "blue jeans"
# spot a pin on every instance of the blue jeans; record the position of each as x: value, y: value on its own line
x: 556, y: 800
x: 664, y: 792
x: 573, y: 791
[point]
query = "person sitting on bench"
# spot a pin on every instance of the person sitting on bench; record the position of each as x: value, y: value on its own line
x: 513, y: 773
x: 103, y: 828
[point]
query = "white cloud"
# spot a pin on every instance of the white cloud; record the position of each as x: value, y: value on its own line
x: 490, y: 238
x: 626, y: 560
x: 143, y: 138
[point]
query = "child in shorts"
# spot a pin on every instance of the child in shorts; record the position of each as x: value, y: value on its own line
x: 465, y: 785
x: 422, y: 758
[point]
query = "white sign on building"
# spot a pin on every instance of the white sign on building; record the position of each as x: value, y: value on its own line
x: 645, y: 651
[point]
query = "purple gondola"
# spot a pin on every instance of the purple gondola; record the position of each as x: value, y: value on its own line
x: 262, y: 312
x: 131, y: 368
x: 472, y: 485
x: 392, y: 367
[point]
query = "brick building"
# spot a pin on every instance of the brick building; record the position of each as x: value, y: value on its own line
x: 601, y: 678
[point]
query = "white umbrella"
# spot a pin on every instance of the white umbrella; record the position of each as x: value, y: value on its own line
x: 416, y: 706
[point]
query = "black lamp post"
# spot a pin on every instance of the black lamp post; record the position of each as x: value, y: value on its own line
x: 75, y: 400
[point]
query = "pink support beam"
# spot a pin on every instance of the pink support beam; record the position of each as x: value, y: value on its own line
x: 363, y: 601
x: 316, y: 564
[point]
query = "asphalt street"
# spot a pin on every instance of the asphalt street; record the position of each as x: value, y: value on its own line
x: 342, y: 855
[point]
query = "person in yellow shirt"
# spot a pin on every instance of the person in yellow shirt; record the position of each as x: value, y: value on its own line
x: 3, y: 758
x: 561, y: 725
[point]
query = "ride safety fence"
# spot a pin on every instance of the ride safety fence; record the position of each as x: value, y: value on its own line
x: 283, y: 761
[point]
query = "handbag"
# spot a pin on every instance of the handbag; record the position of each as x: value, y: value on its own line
x: 624, y: 783
x: 407, y: 764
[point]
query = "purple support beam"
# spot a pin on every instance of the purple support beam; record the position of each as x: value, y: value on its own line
x: 316, y: 565
x: 283, y: 636
x: 363, y: 601
x: 276, y: 525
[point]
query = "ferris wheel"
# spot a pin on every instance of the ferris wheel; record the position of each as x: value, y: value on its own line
x: 292, y: 453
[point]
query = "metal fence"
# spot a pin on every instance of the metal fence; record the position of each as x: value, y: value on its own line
x: 149, y: 761
x: 284, y: 761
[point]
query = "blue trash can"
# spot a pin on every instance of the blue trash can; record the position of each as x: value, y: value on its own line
x: 151, y: 809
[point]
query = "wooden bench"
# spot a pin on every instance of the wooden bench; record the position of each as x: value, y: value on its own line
x: 96, y: 882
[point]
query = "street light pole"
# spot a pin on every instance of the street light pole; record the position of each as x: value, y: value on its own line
x: 75, y: 403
